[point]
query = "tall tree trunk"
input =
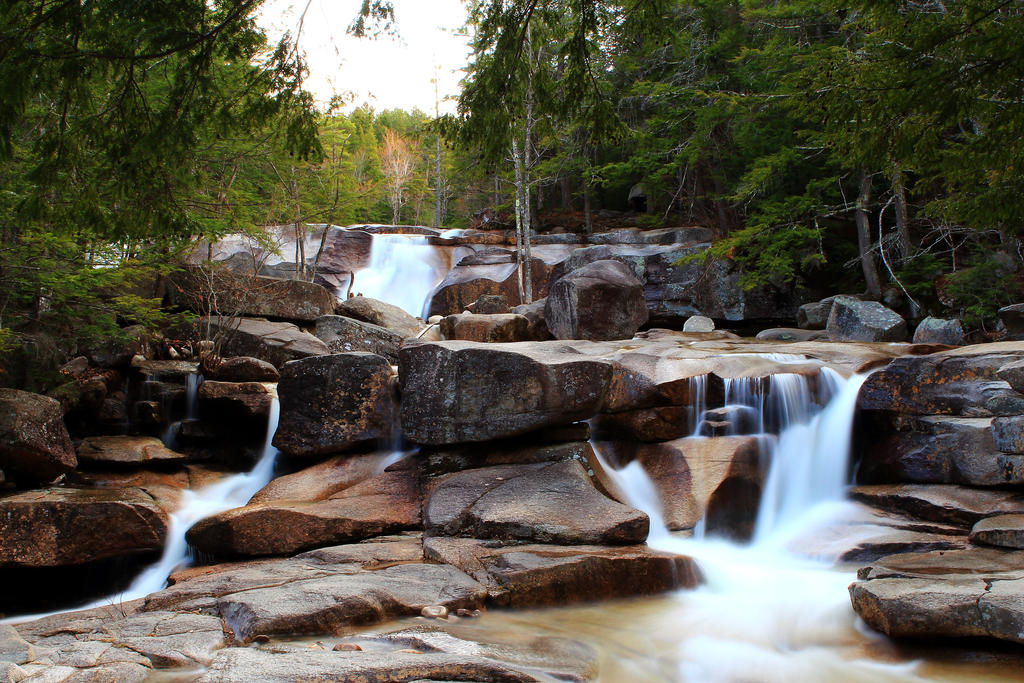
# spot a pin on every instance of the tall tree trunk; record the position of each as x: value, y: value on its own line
x: 588, y: 222
x: 566, y: 189
x: 867, y: 258
x: 900, y: 205
x: 517, y: 163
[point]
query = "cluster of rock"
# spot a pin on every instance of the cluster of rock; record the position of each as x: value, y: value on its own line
x: 942, y: 442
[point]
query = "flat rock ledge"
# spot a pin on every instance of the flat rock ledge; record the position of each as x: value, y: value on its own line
x: 971, y: 593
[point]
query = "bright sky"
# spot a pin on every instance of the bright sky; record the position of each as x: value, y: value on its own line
x: 388, y: 72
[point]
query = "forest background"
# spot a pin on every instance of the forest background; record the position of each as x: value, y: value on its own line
x: 864, y: 146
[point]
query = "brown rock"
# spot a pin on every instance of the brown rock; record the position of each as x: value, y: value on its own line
x: 126, y: 450
x: 242, y: 401
x: 492, y: 271
x: 1006, y: 531
x: 554, y: 503
x: 549, y: 575
x: 716, y: 479
x: 956, y: 505
x: 59, y: 527
x: 244, y: 369
x: 504, y: 327
x: 322, y: 480
x: 461, y: 391
x: 34, y: 442
x: 382, y: 505
x: 334, y: 403
x: 534, y: 313
x: 381, y: 314
x: 490, y: 304
x: 327, y: 604
x: 273, y: 342
x: 343, y: 335
x: 601, y: 300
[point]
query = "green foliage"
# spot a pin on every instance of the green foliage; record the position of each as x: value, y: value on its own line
x: 980, y: 290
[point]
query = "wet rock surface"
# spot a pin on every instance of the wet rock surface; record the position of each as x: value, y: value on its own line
x: 126, y: 451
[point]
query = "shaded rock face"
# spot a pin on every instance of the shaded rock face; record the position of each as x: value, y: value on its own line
x: 814, y: 316
x: 273, y: 342
x: 491, y: 304
x: 242, y: 401
x: 255, y: 296
x: 244, y: 369
x: 1012, y: 318
x: 956, y: 505
x: 343, y: 335
x: 498, y: 327
x: 379, y: 313
x: 954, y: 594
x: 869, y: 321
x: 1004, y: 531
x: 602, y: 300
x: 502, y: 391
x: 534, y: 314
x: 941, y: 450
x: 34, y: 443
x: 334, y: 403
x: 939, y: 331
x: 58, y: 527
x: 541, y: 503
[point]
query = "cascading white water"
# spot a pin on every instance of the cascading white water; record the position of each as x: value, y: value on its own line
x: 230, y: 492
x: 765, y: 614
x: 403, y: 270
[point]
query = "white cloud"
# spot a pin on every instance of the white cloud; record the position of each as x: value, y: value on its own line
x: 389, y: 71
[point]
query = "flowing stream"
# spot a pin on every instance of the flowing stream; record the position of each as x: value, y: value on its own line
x: 403, y: 270
x: 765, y: 613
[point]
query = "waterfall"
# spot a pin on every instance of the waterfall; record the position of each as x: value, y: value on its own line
x: 765, y: 614
x: 403, y: 270
x: 230, y: 492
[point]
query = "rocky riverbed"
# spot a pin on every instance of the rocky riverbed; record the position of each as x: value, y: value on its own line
x: 417, y: 488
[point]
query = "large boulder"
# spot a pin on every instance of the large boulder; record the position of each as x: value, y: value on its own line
x: 343, y: 335
x: 869, y: 321
x: 274, y: 342
x: 330, y: 603
x: 1012, y: 317
x: 379, y: 313
x: 718, y: 480
x: 244, y: 369
x: 242, y: 401
x: 380, y: 505
x: 249, y: 296
x: 64, y: 526
x: 457, y: 391
x: 34, y: 442
x: 493, y: 328
x: 538, y: 503
x: 962, y: 382
x: 331, y: 404
x: 1005, y: 531
x: 490, y: 271
x: 601, y: 300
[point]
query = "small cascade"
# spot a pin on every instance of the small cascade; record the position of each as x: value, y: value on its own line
x: 763, y: 609
x: 403, y: 270
x: 230, y: 492
x: 698, y: 401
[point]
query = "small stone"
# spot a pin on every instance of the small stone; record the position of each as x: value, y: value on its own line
x: 347, y: 647
x: 434, y: 612
x: 435, y: 319
x: 699, y: 323
x: 261, y: 638
x: 137, y: 360
x: 470, y: 613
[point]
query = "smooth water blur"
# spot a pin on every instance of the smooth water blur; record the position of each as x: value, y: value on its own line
x: 765, y: 613
x: 403, y: 270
